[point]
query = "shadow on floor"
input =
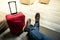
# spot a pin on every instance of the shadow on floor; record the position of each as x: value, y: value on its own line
x: 3, y: 26
x: 9, y: 36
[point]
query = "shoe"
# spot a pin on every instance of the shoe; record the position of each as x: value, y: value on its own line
x: 28, y: 23
x: 37, y: 17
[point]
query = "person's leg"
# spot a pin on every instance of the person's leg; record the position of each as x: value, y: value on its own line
x: 45, y: 37
x: 28, y: 29
x: 36, y: 26
x: 35, y: 34
x: 28, y: 26
x: 37, y: 19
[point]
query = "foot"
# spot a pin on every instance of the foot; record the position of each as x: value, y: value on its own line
x: 37, y: 17
x: 28, y: 23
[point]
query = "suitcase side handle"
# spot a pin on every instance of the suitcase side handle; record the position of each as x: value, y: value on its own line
x: 10, y: 7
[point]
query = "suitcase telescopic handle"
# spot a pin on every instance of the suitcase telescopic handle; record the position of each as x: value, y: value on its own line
x: 10, y: 7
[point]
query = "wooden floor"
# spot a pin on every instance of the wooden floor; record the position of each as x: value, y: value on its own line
x: 54, y: 35
x: 7, y: 35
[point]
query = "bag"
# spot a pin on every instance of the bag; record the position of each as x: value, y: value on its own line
x: 16, y: 21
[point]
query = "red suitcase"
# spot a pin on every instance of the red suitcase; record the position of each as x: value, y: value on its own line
x: 16, y: 21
